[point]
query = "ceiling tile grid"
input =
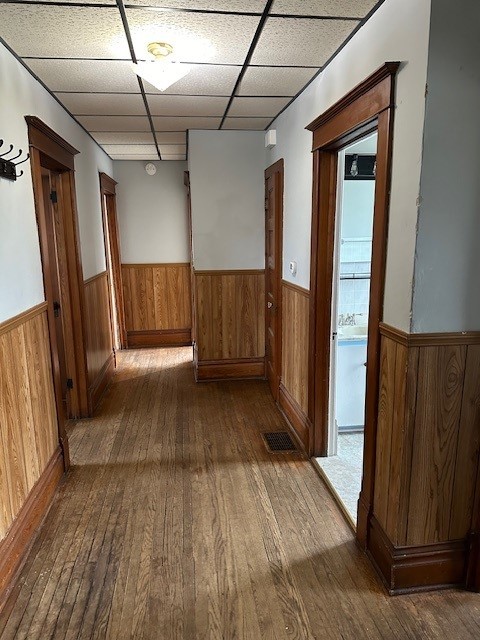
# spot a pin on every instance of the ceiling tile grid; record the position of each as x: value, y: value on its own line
x: 302, y: 42
x: 96, y: 104
x: 82, y: 55
x: 336, y: 8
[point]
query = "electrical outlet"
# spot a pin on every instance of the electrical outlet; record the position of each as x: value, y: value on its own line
x: 293, y: 267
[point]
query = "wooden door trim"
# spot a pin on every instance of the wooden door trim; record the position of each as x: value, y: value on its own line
x: 110, y: 229
x: 49, y: 150
x: 368, y: 106
x: 276, y: 167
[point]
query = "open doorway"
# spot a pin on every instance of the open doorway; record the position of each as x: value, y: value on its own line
x: 367, y: 109
x: 350, y: 304
x: 113, y: 261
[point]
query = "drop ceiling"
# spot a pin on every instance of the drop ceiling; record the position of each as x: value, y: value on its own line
x: 249, y: 58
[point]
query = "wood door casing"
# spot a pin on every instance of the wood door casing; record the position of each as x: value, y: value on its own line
x: 367, y: 107
x: 58, y: 285
x: 113, y: 260
x: 273, y: 274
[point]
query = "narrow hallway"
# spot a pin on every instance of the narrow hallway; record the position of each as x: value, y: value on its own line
x: 176, y: 523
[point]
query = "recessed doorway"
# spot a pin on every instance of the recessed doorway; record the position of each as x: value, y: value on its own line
x: 343, y: 464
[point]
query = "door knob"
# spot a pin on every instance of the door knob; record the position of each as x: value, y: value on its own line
x: 269, y: 305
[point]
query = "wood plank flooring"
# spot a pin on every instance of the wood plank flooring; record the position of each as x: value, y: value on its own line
x: 175, y: 523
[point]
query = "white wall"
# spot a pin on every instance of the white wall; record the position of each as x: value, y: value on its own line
x: 447, y: 283
x: 357, y: 204
x: 397, y: 31
x: 227, y: 188
x: 21, y: 285
x: 152, y: 212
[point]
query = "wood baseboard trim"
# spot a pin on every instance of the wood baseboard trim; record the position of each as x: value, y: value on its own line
x: 103, y: 380
x: 240, y: 369
x: 295, y: 416
x: 159, y: 338
x: 21, y: 535
x: 416, y: 568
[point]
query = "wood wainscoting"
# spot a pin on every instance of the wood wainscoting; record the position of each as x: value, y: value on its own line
x: 158, y: 308
x: 428, y: 443
x: 293, y: 397
x: 230, y: 324
x: 31, y: 461
x: 99, y: 339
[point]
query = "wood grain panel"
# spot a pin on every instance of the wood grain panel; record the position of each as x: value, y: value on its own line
x: 439, y: 401
x: 386, y: 399
x: 295, y: 331
x: 427, y: 453
x: 157, y: 296
x: 98, y: 328
x: 230, y: 315
x: 28, y: 421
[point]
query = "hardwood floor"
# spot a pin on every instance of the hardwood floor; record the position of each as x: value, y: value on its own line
x: 175, y: 523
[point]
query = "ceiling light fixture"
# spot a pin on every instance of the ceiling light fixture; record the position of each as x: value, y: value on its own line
x: 161, y: 72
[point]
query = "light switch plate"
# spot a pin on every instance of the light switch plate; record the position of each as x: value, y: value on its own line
x: 293, y: 267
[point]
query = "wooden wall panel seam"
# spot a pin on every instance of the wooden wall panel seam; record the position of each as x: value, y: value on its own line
x: 433, y: 436
x: 99, y: 338
x: 157, y: 296
x: 429, y: 339
x: 28, y: 420
x: 230, y: 312
x: 21, y: 318
x: 88, y: 281
x: 295, y: 287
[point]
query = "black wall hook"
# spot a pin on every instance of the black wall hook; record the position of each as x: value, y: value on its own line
x: 7, y: 166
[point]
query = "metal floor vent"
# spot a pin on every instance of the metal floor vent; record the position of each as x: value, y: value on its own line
x: 279, y: 441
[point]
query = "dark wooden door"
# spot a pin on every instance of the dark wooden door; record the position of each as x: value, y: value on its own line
x: 273, y: 274
x: 56, y: 292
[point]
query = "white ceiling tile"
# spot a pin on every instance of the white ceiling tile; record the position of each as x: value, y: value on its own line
x: 344, y: 8
x: 268, y: 107
x: 126, y: 156
x: 103, y: 104
x: 76, y: 1
x: 293, y: 41
x: 130, y: 149
x: 251, y: 124
x: 212, y: 5
x: 85, y: 75
x: 171, y: 137
x: 76, y: 32
x: 273, y: 81
x: 173, y: 149
x: 179, y: 124
x: 203, y: 80
x: 123, y: 138
x: 194, y: 37
x: 115, y: 123
x: 186, y: 106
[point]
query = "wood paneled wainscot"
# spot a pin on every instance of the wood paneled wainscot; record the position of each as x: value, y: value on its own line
x: 31, y: 461
x: 98, y: 327
x: 230, y: 324
x: 158, y: 308
x: 293, y: 396
x: 427, y: 460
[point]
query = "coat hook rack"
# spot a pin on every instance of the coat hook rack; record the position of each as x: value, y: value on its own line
x: 8, y: 168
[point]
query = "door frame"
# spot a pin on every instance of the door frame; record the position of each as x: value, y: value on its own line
x: 112, y: 257
x: 367, y: 108
x: 49, y: 150
x: 278, y: 168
